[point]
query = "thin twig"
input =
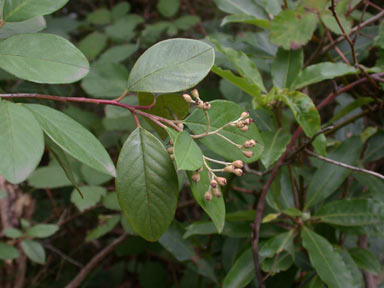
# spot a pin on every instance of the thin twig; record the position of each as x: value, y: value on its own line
x: 334, y: 162
x: 61, y: 254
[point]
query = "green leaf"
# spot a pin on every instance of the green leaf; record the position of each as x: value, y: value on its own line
x: 375, y: 147
x: 100, y: 16
x: 111, y: 202
x: 21, y: 142
x: 352, y: 212
x: 280, y: 197
x: 32, y: 25
x: 49, y: 177
x: 350, y: 107
x: 167, y: 106
x: 8, y: 252
x: 242, y: 18
x: 146, y: 184
x: 281, y: 262
x: 244, y: 65
x: 357, y: 276
x: 315, y: 282
x: 277, y: 244
x: 187, y: 153
x: 275, y: 144
x: 303, y: 110
x: 42, y: 230
x: 73, y: 138
x: 374, y: 184
x: 13, y: 233
x: 124, y: 29
x: 365, y: 260
x: 120, y: 10
x: 329, y: 20
x: 214, y: 208
x: 43, y: 58
x: 93, y: 44
x: 94, y: 177
x: 292, y: 29
x: 118, y: 53
x: 221, y: 113
x: 320, y: 145
x: 242, y: 272
x: 34, y: 251
x: 171, y: 65
x: 247, y: 7
x: 231, y: 229
x: 91, y: 196
x: 103, y: 228
x: 168, y: 8
x: 320, y: 72
x: 327, y: 262
x: 379, y: 40
x: 187, y: 22
x: 20, y: 10
x: 286, y: 66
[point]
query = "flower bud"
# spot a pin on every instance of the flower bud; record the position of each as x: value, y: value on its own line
x: 240, y: 124
x: 208, y: 195
x: 170, y: 142
x: 221, y: 180
x: 229, y: 169
x: 187, y: 98
x: 206, y: 105
x: 244, y: 115
x: 195, y: 94
x: 248, y: 153
x: 172, y: 157
x: 244, y: 129
x: 171, y: 150
x: 217, y: 192
x: 196, y: 177
x: 213, y: 183
x: 249, y: 144
x: 180, y: 125
x: 238, y: 164
x: 247, y: 121
x: 238, y: 172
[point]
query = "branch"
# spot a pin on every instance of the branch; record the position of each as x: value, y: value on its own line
x: 95, y: 261
x: 353, y: 168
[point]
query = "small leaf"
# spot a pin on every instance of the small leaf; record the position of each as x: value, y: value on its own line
x: 365, y: 260
x: 187, y: 22
x: 35, y: 57
x: 118, y: 53
x: 242, y: 18
x: 32, y: 25
x: 214, y: 208
x: 42, y: 230
x: 93, y: 44
x: 20, y: 10
x: 277, y: 244
x: 375, y: 147
x: 8, y: 252
x: 247, y: 7
x: 281, y: 262
x: 171, y: 65
x: 187, y: 153
x: 124, y: 28
x: 13, y: 233
x: 330, y: 21
x: 34, y: 251
x: 326, y: 261
x: 103, y: 228
x: 286, y: 66
x: 120, y: 9
x: 21, y: 142
x: 275, y: 144
x: 168, y: 8
x: 242, y: 272
x: 350, y: 107
x: 146, y: 185
x: 111, y: 202
x: 91, y: 195
x: 100, y: 16
x: 352, y: 212
x: 320, y: 72
x: 49, y: 177
x: 73, y: 138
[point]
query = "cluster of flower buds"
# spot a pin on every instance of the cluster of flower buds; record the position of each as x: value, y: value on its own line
x: 244, y: 122
x: 214, y: 189
x: 195, y: 99
x: 235, y: 167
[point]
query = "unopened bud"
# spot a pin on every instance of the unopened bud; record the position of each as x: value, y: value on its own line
x: 207, y: 106
x: 217, y: 192
x: 221, y: 180
x: 199, y: 104
x: 213, y: 183
x: 172, y: 157
x: 171, y: 150
x: 196, y: 177
x: 247, y: 121
x: 244, y: 129
x: 229, y: 169
x: 244, y: 115
x: 195, y: 94
x: 170, y: 142
x: 248, y: 153
x: 238, y: 164
x: 240, y: 124
x: 180, y: 125
x: 249, y: 144
x: 187, y: 98
x: 208, y: 195
x: 238, y: 172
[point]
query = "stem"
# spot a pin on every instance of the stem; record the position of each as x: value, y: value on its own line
x: 229, y: 141
x: 217, y: 161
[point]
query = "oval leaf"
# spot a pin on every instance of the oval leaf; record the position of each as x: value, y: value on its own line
x: 73, y: 138
x: 171, y: 65
x: 34, y: 251
x: 187, y: 153
x: 8, y: 252
x: 42, y: 230
x: 21, y: 142
x: 242, y: 272
x: 146, y: 184
x: 43, y: 58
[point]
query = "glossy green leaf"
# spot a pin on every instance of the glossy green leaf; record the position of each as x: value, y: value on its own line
x: 281, y: 262
x: 171, y: 65
x: 8, y: 252
x: 277, y: 244
x: 35, y: 57
x: 168, y: 8
x: 292, y: 29
x: 49, y: 177
x: 91, y: 196
x: 214, y: 208
x: 146, y: 184
x: 187, y: 153
x: 21, y: 142
x: 93, y: 44
x: 34, y: 251
x: 242, y: 272
x: 247, y: 19
x: 247, y: 7
x: 320, y: 72
x: 20, y: 10
x: 275, y: 144
x: 106, y: 226
x: 118, y: 53
x: 375, y: 147
x: 73, y: 138
x: 327, y: 262
x: 244, y: 65
x: 32, y: 25
x: 100, y: 16
x: 365, y: 260
x: 303, y: 110
x: 222, y: 113
x: 286, y: 66
x: 329, y: 177
x: 352, y: 212
x: 42, y: 230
